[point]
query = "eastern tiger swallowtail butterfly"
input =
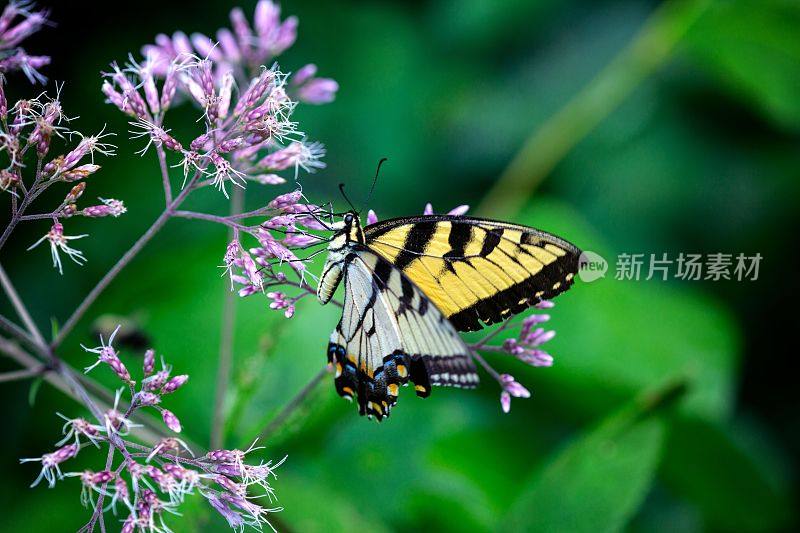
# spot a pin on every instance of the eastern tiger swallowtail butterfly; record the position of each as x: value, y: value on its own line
x: 411, y: 284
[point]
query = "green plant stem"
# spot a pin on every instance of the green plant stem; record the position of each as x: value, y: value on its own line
x: 226, y: 343
x: 287, y: 410
x: 546, y: 147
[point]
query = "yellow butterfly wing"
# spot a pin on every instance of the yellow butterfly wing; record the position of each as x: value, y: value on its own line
x: 476, y: 271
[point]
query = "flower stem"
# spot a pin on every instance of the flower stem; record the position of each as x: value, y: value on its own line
x: 25, y: 373
x: 15, y: 218
x: 287, y: 410
x: 30, y: 196
x: 225, y: 221
x: 98, y: 507
x: 17, y: 332
x: 548, y: 145
x: 162, y: 163
x: 491, y: 371
x: 39, y: 216
x: 226, y: 344
x: 20, y: 308
x: 109, y: 277
x: 481, y: 343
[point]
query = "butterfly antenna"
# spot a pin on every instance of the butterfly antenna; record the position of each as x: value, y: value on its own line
x: 374, y: 181
x: 330, y: 211
x: 346, y: 199
x: 313, y: 214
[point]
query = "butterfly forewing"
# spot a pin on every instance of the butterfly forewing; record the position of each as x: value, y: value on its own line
x: 391, y: 334
x: 476, y: 271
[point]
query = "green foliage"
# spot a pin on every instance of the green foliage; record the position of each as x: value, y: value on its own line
x: 752, y: 46
x: 596, y: 483
x: 729, y: 484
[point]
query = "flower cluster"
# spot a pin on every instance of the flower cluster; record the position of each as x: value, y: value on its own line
x: 255, y: 269
x: 527, y: 347
x: 151, y: 482
x: 29, y: 130
x: 17, y: 22
x: 241, y: 51
x: 248, y: 134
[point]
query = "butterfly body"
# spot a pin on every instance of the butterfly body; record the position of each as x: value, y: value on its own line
x: 412, y: 283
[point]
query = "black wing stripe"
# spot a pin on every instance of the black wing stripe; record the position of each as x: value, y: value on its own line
x: 491, y: 241
x: 416, y: 241
x: 460, y: 235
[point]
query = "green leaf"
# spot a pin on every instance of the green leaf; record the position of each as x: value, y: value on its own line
x: 54, y: 327
x: 598, y: 481
x: 752, y: 47
x: 726, y: 481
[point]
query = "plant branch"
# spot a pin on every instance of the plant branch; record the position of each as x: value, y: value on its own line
x: 20, y: 308
x: 30, y: 195
x: 481, y: 343
x: 194, y: 215
x: 492, y: 372
x: 287, y: 410
x: 38, y: 216
x: 548, y: 145
x: 226, y: 345
x: 162, y: 163
x: 65, y: 379
x: 18, y: 333
x: 15, y: 218
x: 25, y: 373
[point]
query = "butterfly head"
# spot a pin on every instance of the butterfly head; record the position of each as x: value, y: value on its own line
x: 347, y: 234
x: 347, y: 231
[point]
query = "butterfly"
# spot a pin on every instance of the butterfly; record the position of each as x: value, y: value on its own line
x: 411, y: 284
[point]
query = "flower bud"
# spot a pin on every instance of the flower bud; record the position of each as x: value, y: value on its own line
x: 75, y: 193
x: 146, y: 398
x: 171, y: 420
x: 80, y: 172
x: 149, y: 362
x: 174, y: 384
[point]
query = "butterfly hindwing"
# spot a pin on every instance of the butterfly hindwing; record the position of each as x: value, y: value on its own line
x: 391, y: 334
x: 476, y: 271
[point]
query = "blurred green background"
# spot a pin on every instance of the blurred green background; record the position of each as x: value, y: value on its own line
x: 700, y: 156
